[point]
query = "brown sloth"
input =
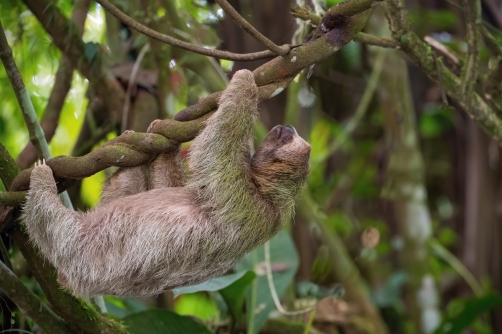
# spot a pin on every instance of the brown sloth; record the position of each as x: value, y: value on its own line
x: 152, y: 231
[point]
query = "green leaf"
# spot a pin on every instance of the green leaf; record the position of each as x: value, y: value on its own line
x: 200, y: 304
x: 235, y: 293
x: 435, y: 120
x: 122, y: 307
x: 220, y: 304
x: 466, y: 311
x: 159, y: 321
x: 213, y: 284
x: 91, y: 49
x: 284, y: 262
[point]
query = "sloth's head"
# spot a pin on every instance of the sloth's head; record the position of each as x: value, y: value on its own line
x: 280, y: 165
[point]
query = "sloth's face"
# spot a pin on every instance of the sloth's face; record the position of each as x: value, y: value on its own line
x: 284, y: 154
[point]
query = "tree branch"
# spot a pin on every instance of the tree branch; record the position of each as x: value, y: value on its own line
x: 9, y: 168
x: 361, y: 37
x: 29, y: 303
x: 423, y: 57
x: 375, y: 40
x: 79, y: 314
x: 127, y: 20
x: 133, y: 149
x: 247, y: 27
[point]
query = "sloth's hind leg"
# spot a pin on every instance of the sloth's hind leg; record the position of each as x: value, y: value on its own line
x: 166, y: 170
x: 124, y: 182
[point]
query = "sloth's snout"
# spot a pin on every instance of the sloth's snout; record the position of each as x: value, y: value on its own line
x: 283, y: 130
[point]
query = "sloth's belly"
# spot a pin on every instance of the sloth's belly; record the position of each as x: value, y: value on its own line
x: 144, y: 246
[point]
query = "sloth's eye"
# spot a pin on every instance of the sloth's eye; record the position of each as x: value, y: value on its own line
x: 287, y: 139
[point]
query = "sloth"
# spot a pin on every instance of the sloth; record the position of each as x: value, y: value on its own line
x: 155, y: 231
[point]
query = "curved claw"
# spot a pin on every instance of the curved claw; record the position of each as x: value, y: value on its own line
x: 39, y: 162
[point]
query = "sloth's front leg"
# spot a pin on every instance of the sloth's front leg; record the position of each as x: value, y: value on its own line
x: 50, y: 225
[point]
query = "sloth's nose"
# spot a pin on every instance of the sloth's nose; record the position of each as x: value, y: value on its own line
x: 287, y: 130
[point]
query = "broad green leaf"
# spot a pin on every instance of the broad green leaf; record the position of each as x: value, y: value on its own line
x: 466, y: 311
x: 220, y: 303
x: 157, y: 321
x: 284, y: 262
x: 235, y: 293
x: 213, y: 284
x: 122, y: 307
x: 200, y: 304
x: 91, y: 49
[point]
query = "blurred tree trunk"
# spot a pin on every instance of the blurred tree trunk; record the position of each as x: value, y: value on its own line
x: 405, y: 186
x: 272, y: 19
x: 480, y: 248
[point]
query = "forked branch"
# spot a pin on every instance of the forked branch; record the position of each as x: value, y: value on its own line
x: 127, y: 20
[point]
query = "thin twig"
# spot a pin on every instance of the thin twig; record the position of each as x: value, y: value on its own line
x: 444, y: 99
x: 308, y: 326
x: 127, y: 20
x: 369, y: 39
x: 442, y: 48
x: 271, y: 285
x: 247, y: 27
x: 130, y: 85
x: 456, y: 264
x: 29, y: 303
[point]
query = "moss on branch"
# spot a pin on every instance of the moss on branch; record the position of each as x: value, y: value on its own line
x: 423, y: 56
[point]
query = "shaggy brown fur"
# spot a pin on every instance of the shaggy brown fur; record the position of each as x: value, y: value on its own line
x: 140, y: 242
